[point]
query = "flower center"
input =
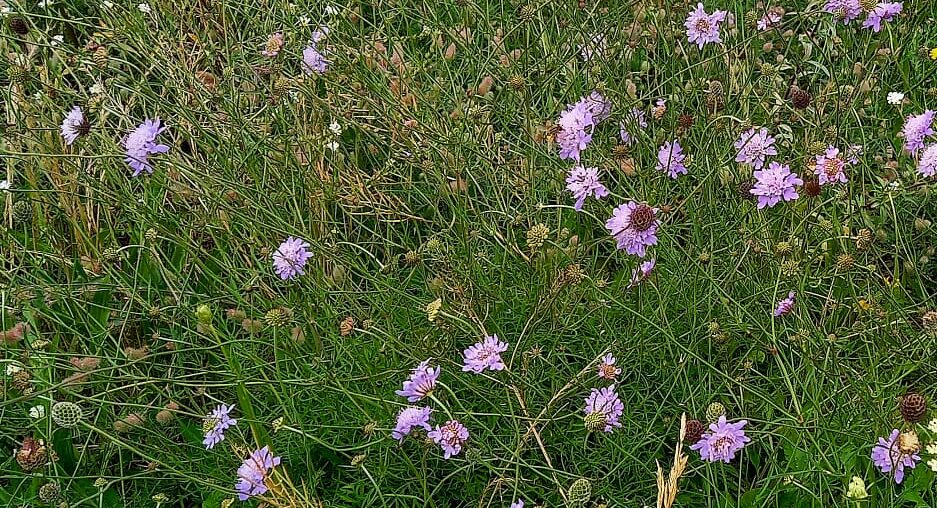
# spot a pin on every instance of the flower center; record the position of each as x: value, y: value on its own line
x: 607, y: 370
x: 833, y: 167
x: 722, y: 445
x: 642, y: 218
x: 703, y: 25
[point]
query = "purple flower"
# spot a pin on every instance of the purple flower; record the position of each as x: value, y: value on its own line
x: 847, y: 10
x: 916, y: 128
x: 722, y: 440
x: 74, y: 125
x: 884, y: 11
x: 774, y: 184
x: 888, y: 456
x: 642, y: 272
x: 450, y: 437
x: 607, y: 369
x: 596, y: 45
x: 927, y: 166
x: 786, y: 305
x: 575, y: 133
x: 141, y: 143
x: 769, y: 20
x: 852, y: 154
x: 253, y: 472
x: 634, y: 227
x: 670, y: 158
x: 409, y: 419
x: 484, y: 355
x: 636, y: 118
x: 218, y: 421
x: 517, y: 504
x: 830, y: 167
x: 604, y: 402
x: 290, y: 258
x: 313, y: 60
x: 754, y: 147
x: 583, y: 182
x: 599, y: 106
x: 702, y: 28
x: 421, y: 383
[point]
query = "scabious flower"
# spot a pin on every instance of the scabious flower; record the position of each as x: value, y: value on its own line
x: 484, y: 355
x: 830, y: 167
x: 599, y: 106
x: 702, y: 28
x: 642, y: 272
x: 595, y: 46
x: 141, y: 143
x: 450, y: 437
x: 774, y: 184
x: 916, y: 129
x: 722, y: 441
x: 786, y: 305
x: 314, y: 61
x: 635, y: 118
x: 274, y: 45
x: 409, y: 419
x: 607, y: 369
x: 290, y: 258
x: 218, y: 421
x: 884, y: 11
x: 670, y: 158
x: 576, y: 124
x: 74, y: 125
x: 517, y: 504
x: 421, y: 383
x: 927, y: 166
x: 889, y: 456
x: 583, y: 182
x: 754, y: 147
x: 847, y: 10
x: 769, y: 20
x: 634, y: 227
x: 604, y: 404
x: 253, y: 473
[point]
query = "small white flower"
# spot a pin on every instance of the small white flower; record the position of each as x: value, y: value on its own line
x: 336, y: 128
x: 895, y: 98
x: 144, y: 8
x: 96, y: 89
x: 331, y: 10
x: 332, y: 145
x: 5, y: 10
x: 932, y: 426
x: 44, y: 3
x: 57, y: 39
x: 5, y: 186
x: 304, y: 20
x: 37, y: 96
x: 13, y: 368
x: 37, y: 412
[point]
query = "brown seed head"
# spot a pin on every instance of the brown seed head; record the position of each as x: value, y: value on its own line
x: 642, y: 217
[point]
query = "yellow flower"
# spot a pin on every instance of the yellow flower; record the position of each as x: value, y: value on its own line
x: 933, y: 54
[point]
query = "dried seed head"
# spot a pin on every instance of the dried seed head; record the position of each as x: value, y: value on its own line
x: 276, y: 317
x: 714, y: 411
x: 66, y: 414
x: 346, y: 326
x: 913, y: 407
x: 642, y: 217
x: 909, y: 443
x: 800, y: 98
x: 49, y: 492
x: 686, y: 121
x: 32, y: 454
x: 595, y: 422
x: 864, y: 239
x: 694, y: 431
x: 812, y: 187
x: 929, y: 322
x: 517, y: 82
x: 537, y: 235
x: 845, y: 262
x: 580, y: 492
x: 18, y: 25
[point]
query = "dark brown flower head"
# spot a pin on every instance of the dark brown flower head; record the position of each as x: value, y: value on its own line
x: 685, y: 121
x: 812, y: 187
x: 32, y: 455
x: 800, y: 98
x: 18, y: 25
x: 744, y: 190
x: 642, y: 217
x: 913, y: 407
x: 694, y: 431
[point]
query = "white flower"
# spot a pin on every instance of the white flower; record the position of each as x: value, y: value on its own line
x: 331, y: 10
x: 5, y: 186
x: 304, y: 20
x: 332, y: 145
x: 37, y: 412
x: 144, y: 8
x: 336, y: 128
x: 44, y: 3
x: 106, y: 4
x: 13, y: 368
x: 895, y: 98
x: 932, y: 426
x: 57, y: 39
x: 5, y: 10
x: 96, y: 89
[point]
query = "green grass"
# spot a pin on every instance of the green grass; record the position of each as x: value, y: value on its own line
x: 431, y: 194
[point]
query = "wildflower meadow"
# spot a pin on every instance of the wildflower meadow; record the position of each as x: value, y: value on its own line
x: 544, y: 253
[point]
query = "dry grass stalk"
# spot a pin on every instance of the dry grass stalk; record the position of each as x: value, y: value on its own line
x: 667, y: 488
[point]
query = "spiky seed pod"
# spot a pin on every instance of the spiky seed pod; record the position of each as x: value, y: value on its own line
x: 685, y: 121
x: 694, y: 431
x: 826, y: 225
x: 99, y: 57
x: 921, y: 224
x: 22, y: 212
x: 21, y: 380
x: 704, y: 257
x: 744, y: 190
x: 783, y: 248
x: 281, y: 86
x: 595, y: 422
x: 864, y: 239
x: 537, y: 235
x: 714, y: 411
x: 18, y: 25
x: 790, y: 268
x: 411, y: 257
x: 276, y: 317
x: 817, y: 147
x: 19, y: 74
x: 845, y: 262
x: 32, y: 454
x: 800, y: 98
x: 50, y: 492
x: 580, y: 492
x: 166, y: 415
x: 358, y: 460
x: 517, y: 82
x: 369, y: 429
x: 913, y: 407
x: 751, y: 18
x: 620, y: 152
x: 812, y: 188
x: 66, y: 414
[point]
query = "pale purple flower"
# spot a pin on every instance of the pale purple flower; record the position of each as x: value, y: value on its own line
x: 830, y: 167
x: 642, y: 272
x: 634, y: 227
x: 218, y: 421
x: 575, y: 133
x: 636, y: 118
x: 754, y: 147
x: 774, y: 184
x: 722, y: 440
x: 769, y: 20
x: 73, y: 125
x: 319, y: 34
x: 253, y: 473
x: 290, y: 258
x: 847, y: 10
x: 421, y: 383
x: 608, y: 369
x: 141, y: 143
x: 888, y: 457
x: 274, y: 45
x: 916, y: 129
x: 702, y: 28
x: 852, y: 154
x: 583, y: 182
x: 409, y: 419
x: 884, y: 11
x: 450, y: 437
x: 927, y: 166
x: 517, y: 504
x: 786, y: 305
x: 599, y: 106
x: 595, y: 46
x: 605, y: 402
x: 670, y: 159
x: 484, y: 355
x: 313, y: 60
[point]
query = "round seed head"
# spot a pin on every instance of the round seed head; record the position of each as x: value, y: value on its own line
x: 913, y: 407
x: 18, y: 25
x: 800, y: 98
x: 66, y: 414
x: 694, y: 431
x: 642, y: 217
x: 714, y: 411
x: 49, y: 492
x: 595, y: 421
x: 580, y: 492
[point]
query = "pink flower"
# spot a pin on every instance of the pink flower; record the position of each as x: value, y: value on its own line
x: 830, y: 167
x: 889, y: 458
x: 916, y: 129
x: 583, y: 182
x: 847, y: 10
x: 605, y: 403
x: 927, y: 166
x: 409, y: 419
x: 670, y: 159
x: 774, y: 184
x: 884, y: 11
x: 754, y: 147
x: 634, y: 227
x: 422, y: 382
x: 607, y: 369
x: 722, y: 441
x: 642, y: 272
x: 450, y: 437
x: 484, y: 355
x: 702, y: 28
x: 786, y: 305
